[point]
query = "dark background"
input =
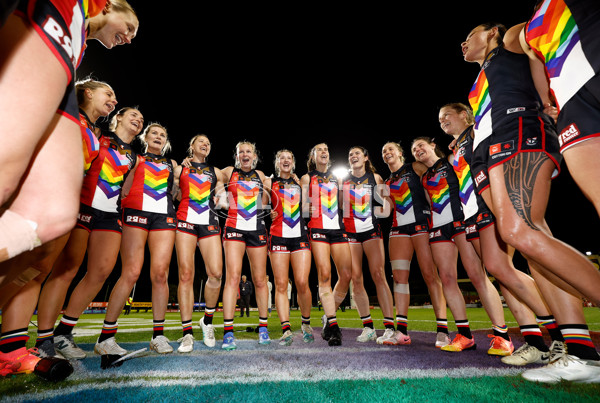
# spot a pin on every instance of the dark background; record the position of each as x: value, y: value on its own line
x: 295, y: 74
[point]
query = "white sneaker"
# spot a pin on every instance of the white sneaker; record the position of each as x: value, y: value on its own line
x: 367, y: 334
x: 109, y: 346
x: 208, y: 333
x: 65, y: 346
x: 566, y: 368
x: 527, y: 354
x: 442, y: 340
x: 161, y: 345
x: 186, y: 344
x: 398, y: 339
x: 387, y: 335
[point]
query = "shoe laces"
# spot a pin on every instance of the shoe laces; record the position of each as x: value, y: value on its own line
x: 210, y: 332
x: 497, y: 341
x: 558, y: 349
x: 563, y: 361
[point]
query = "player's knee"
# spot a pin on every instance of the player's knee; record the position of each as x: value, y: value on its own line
x: 213, y: 282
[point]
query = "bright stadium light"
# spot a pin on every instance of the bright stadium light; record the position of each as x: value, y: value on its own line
x: 340, y: 172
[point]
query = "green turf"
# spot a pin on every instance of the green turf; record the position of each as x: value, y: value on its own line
x: 497, y: 389
x: 419, y: 319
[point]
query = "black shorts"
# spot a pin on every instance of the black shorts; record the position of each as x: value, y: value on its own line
x: 198, y: 230
x: 252, y: 239
x: 330, y: 236
x: 579, y: 119
x: 66, y: 40
x: 479, y: 167
x: 92, y: 219
x: 288, y: 245
x: 361, y: 237
x: 447, y: 232
x: 409, y: 230
x: 524, y: 134
x: 148, y: 221
x: 477, y: 222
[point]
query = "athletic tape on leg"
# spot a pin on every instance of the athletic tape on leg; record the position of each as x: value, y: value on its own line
x: 17, y: 235
x: 401, y: 288
x: 400, y: 264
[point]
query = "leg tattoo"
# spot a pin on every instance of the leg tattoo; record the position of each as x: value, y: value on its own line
x: 520, y: 173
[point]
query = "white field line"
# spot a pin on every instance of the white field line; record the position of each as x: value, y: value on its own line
x: 200, y: 378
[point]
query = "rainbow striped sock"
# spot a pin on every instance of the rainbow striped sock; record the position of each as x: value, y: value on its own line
x: 332, y: 322
x: 109, y: 329
x: 13, y: 340
x: 263, y: 322
x: 367, y: 321
x: 208, y: 315
x: 187, y: 327
x: 578, y: 341
x: 43, y: 335
x: 227, y: 325
x: 158, y: 327
x: 285, y: 326
x: 388, y: 323
x: 551, y: 326
x: 306, y: 321
x: 500, y: 331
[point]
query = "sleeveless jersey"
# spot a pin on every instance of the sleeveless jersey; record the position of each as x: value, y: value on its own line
x: 359, y: 207
x: 197, y: 186
x: 286, y: 199
x: 323, y: 192
x: 91, y: 144
x: 245, y: 190
x: 408, y: 195
x: 502, y: 91
x: 463, y: 152
x: 441, y: 184
x: 102, y: 184
x: 565, y: 35
x: 152, y: 185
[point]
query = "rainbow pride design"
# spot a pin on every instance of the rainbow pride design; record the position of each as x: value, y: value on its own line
x: 290, y: 207
x: 553, y: 32
x: 114, y: 168
x: 247, y: 195
x: 91, y: 148
x: 479, y: 98
x: 199, y: 192
x: 465, y: 180
x: 439, y: 192
x: 360, y: 202
x: 329, y: 199
x: 402, y: 196
x: 156, y: 180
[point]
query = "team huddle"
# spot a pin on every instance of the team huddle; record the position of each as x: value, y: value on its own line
x: 482, y: 201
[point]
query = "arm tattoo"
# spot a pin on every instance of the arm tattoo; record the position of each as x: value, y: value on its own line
x: 520, y: 173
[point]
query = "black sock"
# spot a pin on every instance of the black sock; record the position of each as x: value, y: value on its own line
x: 464, y: 328
x: 13, y: 340
x: 65, y: 326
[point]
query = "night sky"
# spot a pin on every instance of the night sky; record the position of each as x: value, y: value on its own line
x: 296, y: 74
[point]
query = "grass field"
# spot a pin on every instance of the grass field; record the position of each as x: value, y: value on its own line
x: 312, y: 372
